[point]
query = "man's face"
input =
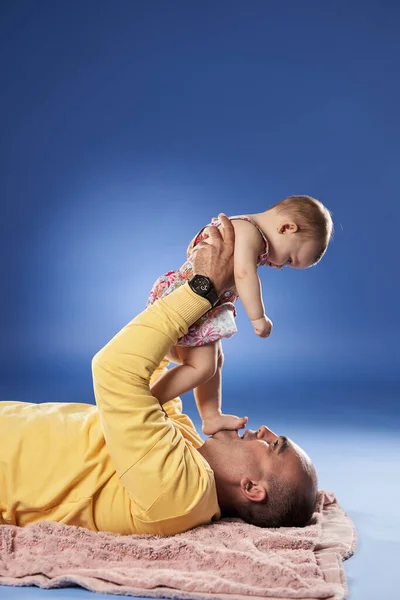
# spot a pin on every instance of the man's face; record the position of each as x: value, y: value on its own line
x: 264, y: 451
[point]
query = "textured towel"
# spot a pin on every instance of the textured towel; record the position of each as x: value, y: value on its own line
x: 228, y: 559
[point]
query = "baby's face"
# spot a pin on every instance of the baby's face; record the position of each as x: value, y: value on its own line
x: 290, y: 249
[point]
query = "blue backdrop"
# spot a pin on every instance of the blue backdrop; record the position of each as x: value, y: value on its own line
x: 126, y: 126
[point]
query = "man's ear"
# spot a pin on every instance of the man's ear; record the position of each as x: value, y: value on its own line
x: 255, y: 491
x: 288, y: 227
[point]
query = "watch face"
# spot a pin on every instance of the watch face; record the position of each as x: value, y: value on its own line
x: 201, y: 284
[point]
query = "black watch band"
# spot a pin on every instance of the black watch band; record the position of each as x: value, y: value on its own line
x: 204, y: 287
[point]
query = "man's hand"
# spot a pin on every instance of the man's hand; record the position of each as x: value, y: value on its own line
x: 213, y: 257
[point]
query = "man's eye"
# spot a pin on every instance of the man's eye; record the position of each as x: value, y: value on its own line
x: 289, y: 261
x: 275, y: 443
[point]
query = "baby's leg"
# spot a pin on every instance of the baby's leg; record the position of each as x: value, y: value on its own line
x: 198, y: 364
x: 208, y: 396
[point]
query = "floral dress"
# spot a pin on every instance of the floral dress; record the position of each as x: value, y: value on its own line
x: 218, y: 322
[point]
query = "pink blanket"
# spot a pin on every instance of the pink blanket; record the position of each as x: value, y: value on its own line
x: 228, y: 559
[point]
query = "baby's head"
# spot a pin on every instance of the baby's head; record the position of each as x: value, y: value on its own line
x: 299, y: 231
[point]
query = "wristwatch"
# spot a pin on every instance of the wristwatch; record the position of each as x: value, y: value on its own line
x: 203, y: 286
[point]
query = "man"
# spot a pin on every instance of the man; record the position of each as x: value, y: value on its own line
x: 129, y: 465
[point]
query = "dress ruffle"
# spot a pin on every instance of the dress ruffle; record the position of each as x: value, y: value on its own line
x: 217, y: 323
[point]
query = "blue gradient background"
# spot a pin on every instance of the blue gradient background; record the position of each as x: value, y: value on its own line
x: 126, y: 126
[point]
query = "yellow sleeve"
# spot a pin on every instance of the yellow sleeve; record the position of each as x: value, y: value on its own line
x: 146, y: 448
x: 174, y: 410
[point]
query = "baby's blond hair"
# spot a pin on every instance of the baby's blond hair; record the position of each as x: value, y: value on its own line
x: 312, y: 218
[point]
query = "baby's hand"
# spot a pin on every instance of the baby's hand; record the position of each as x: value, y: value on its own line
x: 219, y: 422
x: 262, y: 327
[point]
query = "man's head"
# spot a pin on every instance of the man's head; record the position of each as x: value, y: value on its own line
x: 300, y: 228
x: 262, y: 478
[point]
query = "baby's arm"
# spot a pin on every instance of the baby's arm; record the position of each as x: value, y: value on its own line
x: 248, y: 246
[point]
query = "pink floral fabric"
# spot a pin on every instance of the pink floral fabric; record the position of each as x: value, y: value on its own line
x: 217, y: 323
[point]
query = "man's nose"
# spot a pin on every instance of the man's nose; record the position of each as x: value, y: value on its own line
x: 266, y: 434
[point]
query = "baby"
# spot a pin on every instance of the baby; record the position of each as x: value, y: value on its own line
x: 295, y: 233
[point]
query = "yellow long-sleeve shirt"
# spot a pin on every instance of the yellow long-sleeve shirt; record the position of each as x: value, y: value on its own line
x: 124, y: 465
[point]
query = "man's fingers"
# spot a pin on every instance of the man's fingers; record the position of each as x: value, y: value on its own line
x: 201, y: 245
x: 227, y: 230
x: 212, y: 232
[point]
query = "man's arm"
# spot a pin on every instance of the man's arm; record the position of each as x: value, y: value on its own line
x: 143, y: 443
x: 133, y: 421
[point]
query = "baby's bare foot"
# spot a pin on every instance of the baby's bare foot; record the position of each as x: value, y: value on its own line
x: 219, y: 422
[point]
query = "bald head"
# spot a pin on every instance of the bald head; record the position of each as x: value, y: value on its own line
x: 263, y: 478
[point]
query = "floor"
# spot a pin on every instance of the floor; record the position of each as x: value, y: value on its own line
x: 358, y: 457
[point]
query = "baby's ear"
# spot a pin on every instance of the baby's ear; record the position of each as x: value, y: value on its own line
x: 288, y: 227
